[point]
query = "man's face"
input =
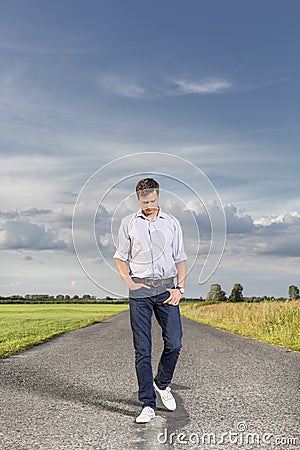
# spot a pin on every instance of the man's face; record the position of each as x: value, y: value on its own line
x: 149, y: 203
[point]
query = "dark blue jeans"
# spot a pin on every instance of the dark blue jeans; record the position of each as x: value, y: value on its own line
x: 168, y: 317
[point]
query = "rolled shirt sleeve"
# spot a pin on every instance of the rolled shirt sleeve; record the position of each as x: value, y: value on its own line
x: 177, y: 245
x: 123, y: 243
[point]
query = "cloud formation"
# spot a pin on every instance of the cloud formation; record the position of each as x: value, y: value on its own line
x: 29, y: 228
x: 26, y: 235
x: 279, y: 235
x: 127, y: 86
x: 205, y: 86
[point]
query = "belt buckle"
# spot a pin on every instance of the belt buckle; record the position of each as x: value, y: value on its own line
x: 153, y: 282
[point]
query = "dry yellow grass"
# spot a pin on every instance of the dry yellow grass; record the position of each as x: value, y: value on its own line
x: 275, y: 322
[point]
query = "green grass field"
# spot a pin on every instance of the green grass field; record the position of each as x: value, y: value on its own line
x: 275, y: 322
x: 23, y: 326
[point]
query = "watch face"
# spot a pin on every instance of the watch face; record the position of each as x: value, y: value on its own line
x: 181, y: 290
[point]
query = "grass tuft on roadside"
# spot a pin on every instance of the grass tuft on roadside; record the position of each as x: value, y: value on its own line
x: 275, y: 322
x: 23, y: 326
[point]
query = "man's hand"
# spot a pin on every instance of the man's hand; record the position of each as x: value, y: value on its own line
x: 136, y: 286
x: 175, y: 296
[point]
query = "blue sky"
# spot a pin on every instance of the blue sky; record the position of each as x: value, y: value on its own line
x: 83, y: 83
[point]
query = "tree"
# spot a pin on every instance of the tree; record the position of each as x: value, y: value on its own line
x: 293, y: 292
x: 236, y: 293
x: 216, y: 294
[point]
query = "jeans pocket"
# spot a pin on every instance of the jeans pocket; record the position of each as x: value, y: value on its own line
x: 139, y: 293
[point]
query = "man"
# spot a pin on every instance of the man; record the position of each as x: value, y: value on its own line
x: 150, y: 242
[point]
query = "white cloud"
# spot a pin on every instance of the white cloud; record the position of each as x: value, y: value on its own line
x: 279, y: 235
x: 205, y: 86
x: 284, y: 245
x: 35, y: 212
x: 26, y: 235
x: 238, y: 223
x: 121, y: 85
x: 9, y: 214
x: 287, y: 219
x: 128, y: 87
x: 41, y: 228
x: 27, y: 257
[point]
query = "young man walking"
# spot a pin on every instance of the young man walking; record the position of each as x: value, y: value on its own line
x: 149, y: 256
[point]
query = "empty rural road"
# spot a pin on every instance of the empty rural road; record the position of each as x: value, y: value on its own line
x: 79, y: 391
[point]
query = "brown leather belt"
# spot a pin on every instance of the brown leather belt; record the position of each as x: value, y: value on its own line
x: 155, y: 282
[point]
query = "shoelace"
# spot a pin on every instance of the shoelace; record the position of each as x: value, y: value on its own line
x: 147, y: 410
x: 167, y: 393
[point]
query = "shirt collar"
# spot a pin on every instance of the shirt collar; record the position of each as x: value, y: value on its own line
x: 161, y: 214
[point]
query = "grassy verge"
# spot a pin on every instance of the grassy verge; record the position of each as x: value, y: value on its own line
x: 23, y: 326
x: 273, y: 322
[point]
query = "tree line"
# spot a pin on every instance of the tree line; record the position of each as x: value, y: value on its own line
x: 60, y: 298
x: 216, y: 294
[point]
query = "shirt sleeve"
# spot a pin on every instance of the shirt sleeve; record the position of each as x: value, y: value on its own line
x: 177, y: 245
x: 123, y: 243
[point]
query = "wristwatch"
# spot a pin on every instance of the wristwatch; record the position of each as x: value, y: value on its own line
x: 181, y: 289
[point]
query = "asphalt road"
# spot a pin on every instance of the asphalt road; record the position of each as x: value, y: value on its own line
x: 79, y: 391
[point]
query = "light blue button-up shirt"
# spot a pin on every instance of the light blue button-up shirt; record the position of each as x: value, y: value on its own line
x: 152, y: 247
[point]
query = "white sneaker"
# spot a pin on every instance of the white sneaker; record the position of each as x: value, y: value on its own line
x: 146, y: 415
x: 166, y: 397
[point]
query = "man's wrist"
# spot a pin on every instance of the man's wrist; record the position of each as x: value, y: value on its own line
x: 131, y: 284
x: 180, y: 288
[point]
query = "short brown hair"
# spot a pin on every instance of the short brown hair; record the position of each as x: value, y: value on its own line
x: 146, y: 186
